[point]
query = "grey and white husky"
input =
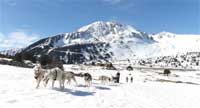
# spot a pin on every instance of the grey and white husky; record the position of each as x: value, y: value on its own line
x: 38, y: 74
x: 69, y: 75
x: 88, y: 79
x: 104, y: 79
x: 54, y: 74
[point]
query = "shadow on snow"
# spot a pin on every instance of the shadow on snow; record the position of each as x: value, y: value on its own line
x: 96, y: 86
x: 75, y: 92
x: 102, y: 88
x: 80, y: 92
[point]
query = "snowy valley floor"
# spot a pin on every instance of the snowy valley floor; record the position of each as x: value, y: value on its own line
x: 148, y: 90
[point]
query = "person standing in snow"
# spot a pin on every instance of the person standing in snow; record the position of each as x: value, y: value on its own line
x: 131, y: 79
x: 117, y: 77
x: 127, y: 79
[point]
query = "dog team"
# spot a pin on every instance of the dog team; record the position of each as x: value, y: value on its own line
x: 56, y: 74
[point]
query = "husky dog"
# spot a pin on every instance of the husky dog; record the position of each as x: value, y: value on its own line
x: 87, y: 77
x: 104, y: 79
x: 54, y: 74
x: 116, y: 78
x: 38, y: 74
x: 68, y: 75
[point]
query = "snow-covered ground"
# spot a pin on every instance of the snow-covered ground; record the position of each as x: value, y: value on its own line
x: 147, y: 90
x: 172, y: 44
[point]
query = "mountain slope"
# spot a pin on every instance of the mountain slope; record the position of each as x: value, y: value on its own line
x: 172, y: 44
x: 11, y: 52
x: 99, y: 41
x: 111, y: 41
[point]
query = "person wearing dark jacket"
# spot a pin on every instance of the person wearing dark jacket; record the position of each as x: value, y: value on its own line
x: 127, y: 79
x: 117, y: 77
x: 131, y: 79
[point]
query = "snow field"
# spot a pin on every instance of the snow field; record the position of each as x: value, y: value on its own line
x: 18, y: 91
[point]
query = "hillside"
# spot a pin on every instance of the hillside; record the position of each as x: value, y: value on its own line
x: 99, y: 42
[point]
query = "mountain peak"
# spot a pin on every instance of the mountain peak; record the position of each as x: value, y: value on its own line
x: 102, y: 26
x: 97, y: 41
x: 164, y: 34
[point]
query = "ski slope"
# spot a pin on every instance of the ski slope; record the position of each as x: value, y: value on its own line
x: 18, y: 90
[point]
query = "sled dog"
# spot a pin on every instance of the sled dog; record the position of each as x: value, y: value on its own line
x: 104, y: 79
x: 38, y: 74
x: 88, y: 79
x: 68, y: 75
x: 54, y: 74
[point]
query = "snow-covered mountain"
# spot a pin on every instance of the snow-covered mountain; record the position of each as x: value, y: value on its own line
x: 99, y: 41
x: 108, y: 41
x: 190, y: 60
x: 11, y: 52
x: 172, y: 44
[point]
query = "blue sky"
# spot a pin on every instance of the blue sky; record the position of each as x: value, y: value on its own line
x: 22, y: 19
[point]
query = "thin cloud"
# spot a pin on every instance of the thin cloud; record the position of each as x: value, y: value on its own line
x: 121, y: 4
x: 11, y: 2
x: 113, y: 1
x: 17, y: 39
